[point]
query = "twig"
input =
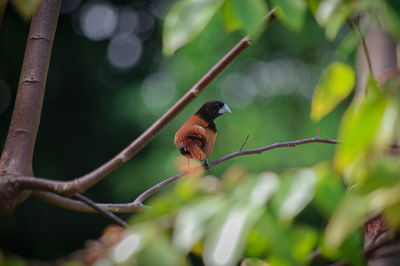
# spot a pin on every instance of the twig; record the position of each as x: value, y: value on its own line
x: 319, y: 131
x: 76, y: 205
x: 363, y: 43
x: 244, y: 143
x: 79, y: 185
x: 102, y: 211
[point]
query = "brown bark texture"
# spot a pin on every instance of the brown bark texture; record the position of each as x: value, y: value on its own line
x: 17, y: 155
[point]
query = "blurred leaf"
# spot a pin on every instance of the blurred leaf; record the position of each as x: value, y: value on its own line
x: 161, y: 252
x: 13, y: 261
x: 226, y: 238
x: 267, y: 184
x: 190, y: 224
x: 336, y: 84
x: 253, y: 262
x: 381, y: 173
x: 251, y: 13
x: 303, y: 241
x: 336, y: 21
x: 291, y: 12
x: 392, y: 215
x: 313, y: 5
x: 231, y: 20
x: 300, y: 194
x: 346, y: 219
x: 384, y: 197
x: 25, y: 8
x: 283, y: 245
x: 325, y: 10
x: 365, y: 125
x: 329, y: 190
x: 389, y: 16
x: 351, y: 250
x: 185, y: 21
x: 347, y: 45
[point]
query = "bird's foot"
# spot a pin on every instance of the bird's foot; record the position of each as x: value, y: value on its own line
x: 207, y: 165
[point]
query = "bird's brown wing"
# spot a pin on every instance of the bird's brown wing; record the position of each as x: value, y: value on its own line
x: 191, y: 138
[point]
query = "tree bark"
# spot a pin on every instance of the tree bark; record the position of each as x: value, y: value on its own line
x: 17, y: 155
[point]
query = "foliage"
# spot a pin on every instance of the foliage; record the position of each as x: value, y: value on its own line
x: 255, y: 216
x: 264, y: 216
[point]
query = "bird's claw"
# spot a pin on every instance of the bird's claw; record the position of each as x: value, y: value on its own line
x: 207, y: 165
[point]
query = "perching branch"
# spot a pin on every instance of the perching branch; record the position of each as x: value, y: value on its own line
x: 137, y: 204
x: 240, y: 152
x: 79, y: 185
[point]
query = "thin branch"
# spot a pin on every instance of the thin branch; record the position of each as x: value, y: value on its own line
x: 102, y: 211
x: 77, y: 205
x: 244, y: 143
x: 363, y: 44
x: 162, y: 184
x: 79, y: 185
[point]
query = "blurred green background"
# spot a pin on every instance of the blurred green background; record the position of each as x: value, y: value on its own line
x: 108, y: 81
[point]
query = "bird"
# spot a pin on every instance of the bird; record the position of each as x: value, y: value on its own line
x: 196, y: 137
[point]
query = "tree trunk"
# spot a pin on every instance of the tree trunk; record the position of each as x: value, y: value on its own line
x: 17, y: 155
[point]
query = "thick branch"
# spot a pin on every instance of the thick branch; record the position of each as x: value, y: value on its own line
x: 137, y: 204
x: 18, y: 150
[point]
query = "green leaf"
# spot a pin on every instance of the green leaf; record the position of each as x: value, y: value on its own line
x: 185, y: 21
x: 303, y: 241
x: 299, y: 195
x: 346, y: 219
x: 336, y: 84
x: 251, y: 13
x: 325, y: 10
x: 336, y: 21
x: 329, y: 190
x: 190, y: 224
x: 231, y: 19
x: 347, y: 46
x: 160, y: 252
x: 291, y: 12
x: 392, y: 215
x: 226, y: 238
x: 366, y: 126
x: 253, y: 262
x: 313, y: 5
x: 25, y: 8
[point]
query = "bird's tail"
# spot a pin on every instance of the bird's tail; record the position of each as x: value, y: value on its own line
x: 194, y: 147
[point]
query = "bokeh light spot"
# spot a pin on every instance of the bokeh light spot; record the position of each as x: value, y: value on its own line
x: 238, y: 90
x: 128, y: 20
x: 98, y: 20
x: 158, y: 90
x: 124, y: 51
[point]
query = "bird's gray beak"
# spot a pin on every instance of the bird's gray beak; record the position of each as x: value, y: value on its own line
x: 224, y: 109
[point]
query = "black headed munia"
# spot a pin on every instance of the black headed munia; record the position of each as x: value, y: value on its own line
x: 195, y: 138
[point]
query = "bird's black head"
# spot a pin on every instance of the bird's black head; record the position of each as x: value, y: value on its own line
x: 212, y: 109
